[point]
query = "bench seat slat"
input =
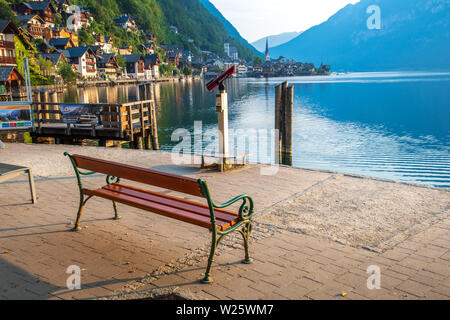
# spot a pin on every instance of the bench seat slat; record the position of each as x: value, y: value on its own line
x: 161, y: 209
x: 184, y: 204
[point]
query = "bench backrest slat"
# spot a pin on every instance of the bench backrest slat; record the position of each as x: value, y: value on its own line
x: 146, y: 176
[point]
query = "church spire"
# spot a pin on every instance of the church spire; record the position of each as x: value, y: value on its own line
x: 267, y: 50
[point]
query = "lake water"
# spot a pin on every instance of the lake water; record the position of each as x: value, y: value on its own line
x: 386, y: 125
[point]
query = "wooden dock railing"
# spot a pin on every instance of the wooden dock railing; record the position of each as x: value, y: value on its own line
x: 134, y: 122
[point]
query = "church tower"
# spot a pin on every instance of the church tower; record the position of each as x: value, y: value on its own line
x: 267, y: 50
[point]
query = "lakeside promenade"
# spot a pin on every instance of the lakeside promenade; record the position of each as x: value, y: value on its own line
x: 315, y: 235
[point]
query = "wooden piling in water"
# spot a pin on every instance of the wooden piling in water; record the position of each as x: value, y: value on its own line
x: 37, y: 99
x: 284, y: 108
x: 147, y: 137
x: 152, y: 117
x: 53, y: 96
x: 44, y: 98
x: 150, y: 137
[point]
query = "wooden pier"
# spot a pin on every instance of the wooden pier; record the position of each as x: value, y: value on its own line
x: 109, y: 123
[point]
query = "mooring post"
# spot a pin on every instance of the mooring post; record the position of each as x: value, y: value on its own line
x: 44, y: 99
x: 148, y: 91
x: 278, y: 123
x: 36, y: 101
x: 54, y: 99
x: 222, y: 114
x: 288, y: 126
x: 141, y: 92
x: 152, y: 117
x: 139, y: 143
x: 147, y: 136
x: 284, y: 104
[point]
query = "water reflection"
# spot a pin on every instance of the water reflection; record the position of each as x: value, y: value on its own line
x: 387, y: 125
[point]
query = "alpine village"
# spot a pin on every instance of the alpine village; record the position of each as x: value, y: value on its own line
x: 111, y: 42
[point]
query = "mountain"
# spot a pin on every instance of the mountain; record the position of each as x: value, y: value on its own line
x: 232, y: 31
x: 209, y: 29
x: 275, y: 40
x: 193, y: 20
x: 414, y: 34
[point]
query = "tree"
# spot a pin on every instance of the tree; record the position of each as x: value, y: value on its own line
x: 187, y: 71
x: 121, y: 62
x: 58, y: 19
x: 47, y: 67
x: 85, y: 37
x: 66, y: 72
x: 6, y: 12
x: 258, y: 60
x: 47, y: 71
x: 168, y: 70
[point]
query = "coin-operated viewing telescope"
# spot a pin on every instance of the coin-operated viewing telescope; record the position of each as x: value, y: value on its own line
x: 218, y: 82
x: 222, y: 113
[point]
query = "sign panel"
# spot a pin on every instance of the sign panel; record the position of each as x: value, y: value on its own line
x: 74, y: 113
x: 15, y: 115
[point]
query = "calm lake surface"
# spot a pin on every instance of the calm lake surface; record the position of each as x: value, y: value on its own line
x: 386, y: 125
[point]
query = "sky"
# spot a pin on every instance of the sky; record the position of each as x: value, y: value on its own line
x: 255, y: 19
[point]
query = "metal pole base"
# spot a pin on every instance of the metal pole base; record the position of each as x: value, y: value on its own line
x: 207, y: 280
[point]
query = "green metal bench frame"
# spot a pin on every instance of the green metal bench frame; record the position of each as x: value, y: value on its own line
x: 245, y: 215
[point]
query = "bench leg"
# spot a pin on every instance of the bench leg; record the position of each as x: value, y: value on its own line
x: 32, y: 188
x: 116, y: 214
x: 207, y: 279
x: 80, y: 212
x: 246, y: 231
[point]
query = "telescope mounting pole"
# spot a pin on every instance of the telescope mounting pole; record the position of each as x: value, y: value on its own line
x: 222, y: 114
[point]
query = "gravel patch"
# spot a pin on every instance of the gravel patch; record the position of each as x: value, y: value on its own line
x: 362, y: 212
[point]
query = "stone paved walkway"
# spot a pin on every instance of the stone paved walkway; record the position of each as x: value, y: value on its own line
x: 145, y: 254
x: 293, y: 266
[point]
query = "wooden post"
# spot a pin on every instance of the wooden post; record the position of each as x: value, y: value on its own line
x: 44, y: 99
x: 54, y: 99
x: 152, y: 118
x: 130, y: 125
x: 148, y: 133
x: 139, y: 143
x: 148, y: 141
x: 37, y: 100
x: 148, y: 91
x: 284, y: 105
x: 141, y: 139
x: 278, y: 123
x: 288, y: 126
x: 141, y: 89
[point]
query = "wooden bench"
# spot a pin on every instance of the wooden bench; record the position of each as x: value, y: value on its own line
x: 214, y: 217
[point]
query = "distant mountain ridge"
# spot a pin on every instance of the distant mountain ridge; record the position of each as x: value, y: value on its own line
x: 414, y: 34
x: 274, y: 40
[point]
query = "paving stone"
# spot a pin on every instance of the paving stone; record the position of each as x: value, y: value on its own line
x: 415, y: 288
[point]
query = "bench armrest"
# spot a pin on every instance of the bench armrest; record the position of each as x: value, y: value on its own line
x: 246, y: 208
